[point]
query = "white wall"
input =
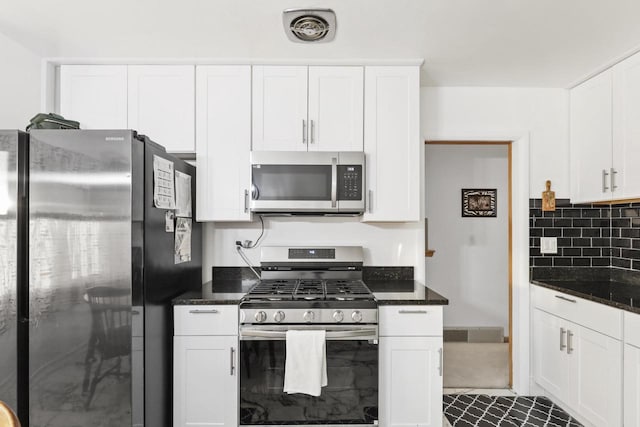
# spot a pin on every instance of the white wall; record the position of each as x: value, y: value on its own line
x: 19, y: 85
x: 385, y: 243
x: 467, y: 112
x: 470, y: 265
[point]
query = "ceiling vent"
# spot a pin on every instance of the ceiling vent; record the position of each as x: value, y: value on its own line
x: 309, y: 25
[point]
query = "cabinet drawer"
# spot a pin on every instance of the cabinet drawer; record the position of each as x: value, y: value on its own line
x: 632, y: 329
x: 205, y: 320
x: 599, y: 317
x: 410, y: 320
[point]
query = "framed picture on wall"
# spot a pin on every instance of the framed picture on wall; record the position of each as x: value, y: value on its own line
x: 479, y: 202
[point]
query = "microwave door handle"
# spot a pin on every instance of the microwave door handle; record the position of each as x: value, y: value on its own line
x: 334, y: 181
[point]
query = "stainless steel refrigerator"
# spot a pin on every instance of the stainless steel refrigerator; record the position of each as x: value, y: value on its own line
x: 91, y: 254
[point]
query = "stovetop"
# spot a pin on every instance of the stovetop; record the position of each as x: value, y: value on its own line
x: 309, y: 290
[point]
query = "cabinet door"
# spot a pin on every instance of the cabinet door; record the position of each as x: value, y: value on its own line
x: 626, y: 128
x: 595, y: 372
x: 591, y: 136
x: 279, y: 108
x: 336, y: 108
x: 549, y: 354
x: 392, y: 143
x: 223, y: 142
x: 631, y: 386
x: 94, y: 95
x: 205, y: 381
x: 161, y: 104
x: 410, y: 381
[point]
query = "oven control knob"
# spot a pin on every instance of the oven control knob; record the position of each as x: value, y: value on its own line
x: 261, y: 316
x: 278, y: 316
x: 308, y: 316
x: 356, y: 316
x: 338, y: 316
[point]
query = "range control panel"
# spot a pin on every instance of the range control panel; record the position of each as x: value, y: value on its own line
x: 350, y: 182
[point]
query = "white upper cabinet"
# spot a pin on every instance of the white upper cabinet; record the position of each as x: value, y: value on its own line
x: 605, y: 135
x: 336, y: 108
x: 626, y: 128
x: 94, y: 95
x: 280, y: 108
x: 591, y: 137
x: 299, y: 108
x: 161, y: 104
x: 392, y: 143
x: 223, y: 142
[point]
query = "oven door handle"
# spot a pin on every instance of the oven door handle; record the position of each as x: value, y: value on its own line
x: 364, y: 334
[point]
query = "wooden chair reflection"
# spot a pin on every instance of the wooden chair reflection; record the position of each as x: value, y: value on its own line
x: 110, y: 338
x: 8, y: 418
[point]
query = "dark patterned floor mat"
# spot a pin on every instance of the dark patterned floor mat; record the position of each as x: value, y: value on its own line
x: 481, y: 410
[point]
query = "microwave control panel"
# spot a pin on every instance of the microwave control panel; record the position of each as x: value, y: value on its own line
x: 350, y: 181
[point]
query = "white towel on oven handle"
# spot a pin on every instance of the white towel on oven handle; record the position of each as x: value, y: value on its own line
x: 305, y: 368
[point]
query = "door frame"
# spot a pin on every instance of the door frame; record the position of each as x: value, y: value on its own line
x: 519, y: 312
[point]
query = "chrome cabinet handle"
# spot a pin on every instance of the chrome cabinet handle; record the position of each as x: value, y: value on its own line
x: 563, y: 332
x: 566, y: 299
x: 370, y: 201
x: 441, y: 362
x: 613, y: 179
x: 232, y: 364
x: 304, y: 131
x: 212, y: 311
x: 311, y: 131
x: 334, y: 181
x: 604, y: 180
x: 246, y: 204
x: 412, y: 311
x: 569, y: 342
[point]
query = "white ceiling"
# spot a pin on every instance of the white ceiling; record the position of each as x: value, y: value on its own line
x: 545, y: 43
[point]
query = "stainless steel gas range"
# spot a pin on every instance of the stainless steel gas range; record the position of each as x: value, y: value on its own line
x: 310, y: 288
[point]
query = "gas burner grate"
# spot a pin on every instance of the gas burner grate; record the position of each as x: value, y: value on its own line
x: 275, y: 289
x: 309, y: 289
x: 347, y: 289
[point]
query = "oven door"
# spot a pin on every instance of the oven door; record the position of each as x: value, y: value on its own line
x: 350, y: 397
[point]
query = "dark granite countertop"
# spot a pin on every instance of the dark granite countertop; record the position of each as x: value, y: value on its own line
x: 217, y: 292
x: 404, y: 292
x: 386, y: 292
x: 612, y: 293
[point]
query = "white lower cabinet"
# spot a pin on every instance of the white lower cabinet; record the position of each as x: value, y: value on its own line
x: 410, y: 384
x: 205, y: 372
x: 550, y: 358
x: 631, y: 386
x: 595, y: 375
x: 410, y: 381
x: 578, y: 366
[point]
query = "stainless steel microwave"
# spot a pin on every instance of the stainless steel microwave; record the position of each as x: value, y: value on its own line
x: 302, y: 182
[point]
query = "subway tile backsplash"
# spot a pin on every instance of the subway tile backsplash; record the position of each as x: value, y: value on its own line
x: 588, y: 235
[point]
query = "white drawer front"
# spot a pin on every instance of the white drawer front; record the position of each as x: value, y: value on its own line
x: 205, y: 320
x: 632, y: 328
x: 410, y: 320
x: 599, y: 317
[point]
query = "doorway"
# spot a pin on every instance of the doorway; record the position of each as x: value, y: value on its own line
x: 471, y: 262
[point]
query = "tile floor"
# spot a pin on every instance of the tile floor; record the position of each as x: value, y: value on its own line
x: 502, y: 407
x: 488, y: 391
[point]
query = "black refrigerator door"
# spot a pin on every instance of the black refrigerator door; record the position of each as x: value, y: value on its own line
x: 164, y: 279
x: 80, y: 278
x: 9, y: 141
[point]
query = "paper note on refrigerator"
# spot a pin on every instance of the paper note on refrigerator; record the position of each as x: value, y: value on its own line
x: 183, y: 194
x: 163, y: 184
x: 183, y: 240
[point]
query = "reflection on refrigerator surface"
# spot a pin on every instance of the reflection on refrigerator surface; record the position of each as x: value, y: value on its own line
x: 80, y: 289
